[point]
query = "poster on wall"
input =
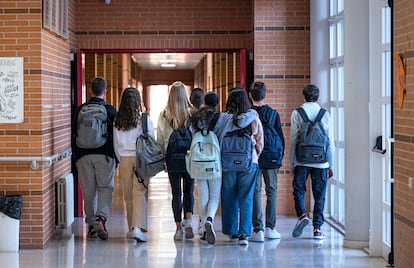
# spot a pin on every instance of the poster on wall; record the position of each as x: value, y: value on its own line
x: 11, y: 90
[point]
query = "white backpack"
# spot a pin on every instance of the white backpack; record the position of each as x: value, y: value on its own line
x: 203, y: 161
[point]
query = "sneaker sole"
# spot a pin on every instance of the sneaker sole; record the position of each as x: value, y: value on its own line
x: 299, y: 228
x: 189, y: 233
x: 102, y: 234
x: 243, y: 242
x: 210, y: 234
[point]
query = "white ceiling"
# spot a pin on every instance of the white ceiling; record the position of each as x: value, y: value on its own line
x: 152, y: 61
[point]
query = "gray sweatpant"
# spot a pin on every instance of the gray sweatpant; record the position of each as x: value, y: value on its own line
x: 96, y: 176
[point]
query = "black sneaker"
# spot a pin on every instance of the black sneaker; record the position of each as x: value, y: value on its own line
x: 300, y: 225
x: 317, y: 234
x: 100, y: 228
x: 243, y: 241
x: 92, y: 232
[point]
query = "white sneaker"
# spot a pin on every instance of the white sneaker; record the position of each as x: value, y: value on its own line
x: 210, y: 234
x: 257, y: 236
x: 271, y: 233
x: 178, y: 236
x: 136, y: 234
x: 188, y: 230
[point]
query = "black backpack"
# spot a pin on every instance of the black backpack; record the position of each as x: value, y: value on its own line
x: 178, y: 145
x: 313, y: 141
x: 272, y: 154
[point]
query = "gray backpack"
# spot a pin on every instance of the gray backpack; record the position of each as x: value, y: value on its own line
x: 149, y: 156
x: 92, y: 126
x: 313, y: 141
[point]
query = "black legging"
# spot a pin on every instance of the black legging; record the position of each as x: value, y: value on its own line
x: 188, y: 196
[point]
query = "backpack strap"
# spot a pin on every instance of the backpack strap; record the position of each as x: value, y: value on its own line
x: 272, y: 119
x: 303, y: 114
x: 144, y: 123
x: 320, y: 115
x: 305, y: 117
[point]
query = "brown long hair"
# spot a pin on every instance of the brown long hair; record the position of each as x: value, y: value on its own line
x: 129, y: 109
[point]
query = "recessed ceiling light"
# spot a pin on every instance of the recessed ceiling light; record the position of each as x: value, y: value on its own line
x: 168, y: 65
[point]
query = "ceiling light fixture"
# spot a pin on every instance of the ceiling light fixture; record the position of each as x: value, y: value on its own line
x: 168, y: 65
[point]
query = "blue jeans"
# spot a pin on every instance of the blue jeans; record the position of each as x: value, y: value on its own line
x: 270, y: 179
x: 237, y: 201
x: 187, y: 202
x: 319, y: 178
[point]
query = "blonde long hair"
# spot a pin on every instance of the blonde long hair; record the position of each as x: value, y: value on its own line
x: 177, y: 110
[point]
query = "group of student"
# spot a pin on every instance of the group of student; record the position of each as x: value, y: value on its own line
x: 240, y: 192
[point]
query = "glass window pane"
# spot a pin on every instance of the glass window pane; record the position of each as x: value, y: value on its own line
x: 386, y: 25
x: 332, y: 7
x: 340, y: 167
x: 341, y: 123
x: 333, y: 84
x: 340, y: 39
x: 341, y: 206
x: 334, y: 202
x: 341, y: 83
x: 340, y: 6
x: 386, y: 73
x: 333, y: 40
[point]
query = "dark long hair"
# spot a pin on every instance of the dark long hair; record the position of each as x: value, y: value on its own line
x: 129, y: 109
x: 202, y: 117
x: 237, y: 103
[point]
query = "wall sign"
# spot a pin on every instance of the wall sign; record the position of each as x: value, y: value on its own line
x: 11, y: 90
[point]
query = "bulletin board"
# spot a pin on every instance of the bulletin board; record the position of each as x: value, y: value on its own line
x: 11, y: 90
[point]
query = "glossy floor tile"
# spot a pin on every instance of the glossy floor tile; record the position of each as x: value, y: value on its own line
x: 73, y: 249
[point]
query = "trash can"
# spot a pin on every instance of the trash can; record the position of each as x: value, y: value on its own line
x: 10, y: 212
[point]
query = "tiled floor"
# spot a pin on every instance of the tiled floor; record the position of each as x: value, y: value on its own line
x: 74, y: 250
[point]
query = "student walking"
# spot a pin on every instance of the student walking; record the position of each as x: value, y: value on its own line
x: 197, y: 99
x: 93, y: 152
x: 205, y: 119
x: 128, y: 127
x: 238, y: 186
x: 302, y: 167
x: 176, y: 115
x: 269, y: 163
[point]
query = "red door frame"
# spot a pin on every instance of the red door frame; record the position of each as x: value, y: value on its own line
x: 79, y: 72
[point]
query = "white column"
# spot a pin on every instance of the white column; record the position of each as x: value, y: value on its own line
x: 357, y: 142
x: 320, y: 48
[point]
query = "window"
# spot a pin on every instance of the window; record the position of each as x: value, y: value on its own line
x: 55, y: 16
x: 336, y: 187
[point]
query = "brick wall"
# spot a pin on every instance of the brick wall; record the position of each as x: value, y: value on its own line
x: 404, y: 137
x: 282, y: 61
x: 46, y: 127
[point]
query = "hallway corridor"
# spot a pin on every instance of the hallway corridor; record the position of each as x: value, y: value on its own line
x: 74, y: 250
